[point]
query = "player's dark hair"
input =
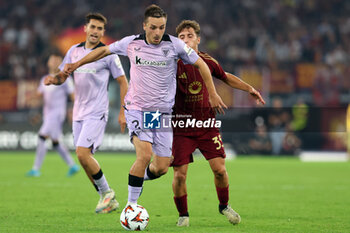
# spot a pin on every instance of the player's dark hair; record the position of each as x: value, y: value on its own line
x: 188, y: 24
x: 97, y: 16
x: 154, y: 11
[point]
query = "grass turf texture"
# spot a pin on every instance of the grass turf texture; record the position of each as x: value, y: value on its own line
x: 271, y: 195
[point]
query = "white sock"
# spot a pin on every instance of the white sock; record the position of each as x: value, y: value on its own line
x: 64, y: 153
x: 101, y: 182
x: 40, y: 154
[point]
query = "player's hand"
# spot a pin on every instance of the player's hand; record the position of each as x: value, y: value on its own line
x: 69, y: 68
x: 49, y: 80
x: 257, y: 96
x: 122, y: 121
x: 217, y: 104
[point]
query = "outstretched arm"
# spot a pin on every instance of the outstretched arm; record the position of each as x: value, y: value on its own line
x: 95, y: 55
x: 235, y: 82
x: 214, y: 99
x: 58, y: 79
x: 123, y: 86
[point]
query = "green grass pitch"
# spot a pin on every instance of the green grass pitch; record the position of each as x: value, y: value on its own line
x: 271, y: 195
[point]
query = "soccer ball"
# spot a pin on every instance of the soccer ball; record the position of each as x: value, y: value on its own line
x: 134, y: 218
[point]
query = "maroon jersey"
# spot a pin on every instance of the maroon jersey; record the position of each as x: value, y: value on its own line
x: 192, y: 98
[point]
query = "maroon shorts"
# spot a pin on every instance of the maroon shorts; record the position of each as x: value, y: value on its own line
x: 209, y: 143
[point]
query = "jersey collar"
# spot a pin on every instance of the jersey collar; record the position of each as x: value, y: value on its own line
x: 165, y: 37
x: 82, y: 44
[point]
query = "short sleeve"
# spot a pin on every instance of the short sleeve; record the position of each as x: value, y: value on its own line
x: 115, y: 66
x: 219, y: 72
x: 185, y: 53
x: 120, y: 47
x: 215, y: 68
x: 67, y: 58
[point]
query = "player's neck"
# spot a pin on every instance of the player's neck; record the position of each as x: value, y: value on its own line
x: 89, y: 45
x: 148, y: 42
x: 196, y: 49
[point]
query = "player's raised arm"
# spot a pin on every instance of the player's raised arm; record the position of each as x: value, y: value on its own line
x: 235, y: 82
x: 214, y: 99
x: 57, y: 79
x: 95, y: 55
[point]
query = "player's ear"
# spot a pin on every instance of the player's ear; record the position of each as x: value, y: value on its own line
x: 199, y: 39
x: 144, y: 26
x: 85, y: 28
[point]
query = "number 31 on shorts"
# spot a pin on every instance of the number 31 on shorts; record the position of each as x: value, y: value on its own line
x: 218, y: 140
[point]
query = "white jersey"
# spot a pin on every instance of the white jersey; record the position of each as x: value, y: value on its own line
x: 153, y: 70
x: 91, y: 82
x: 55, y: 99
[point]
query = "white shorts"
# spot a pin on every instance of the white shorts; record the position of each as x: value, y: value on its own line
x: 89, y: 133
x: 52, y: 127
x: 161, y: 140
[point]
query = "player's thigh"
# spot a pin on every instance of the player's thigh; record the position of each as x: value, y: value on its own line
x: 162, y: 142
x: 143, y: 149
x: 183, y: 147
x: 83, y: 152
x: 161, y: 163
x: 211, y: 145
x: 180, y: 172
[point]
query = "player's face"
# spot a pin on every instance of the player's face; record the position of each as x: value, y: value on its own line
x: 94, y: 30
x: 154, y: 28
x: 53, y: 62
x: 189, y: 36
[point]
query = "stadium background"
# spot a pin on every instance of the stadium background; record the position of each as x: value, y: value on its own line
x: 295, y: 52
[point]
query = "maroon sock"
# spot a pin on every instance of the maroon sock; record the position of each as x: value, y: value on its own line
x: 222, y: 195
x: 181, y: 205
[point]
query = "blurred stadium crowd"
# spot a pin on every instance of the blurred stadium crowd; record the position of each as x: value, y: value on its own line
x: 297, y: 50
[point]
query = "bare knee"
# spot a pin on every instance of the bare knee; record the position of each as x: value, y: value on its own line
x: 82, y: 155
x: 180, y: 177
x: 161, y: 170
x: 144, y: 158
x: 220, y: 173
x: 159, y: 165
x: 158, y: 169
x: 143, y: 152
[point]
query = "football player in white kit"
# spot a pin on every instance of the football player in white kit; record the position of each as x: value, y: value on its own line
x: 153, y: 56
x: 90, y: 111
x: 54, y: 112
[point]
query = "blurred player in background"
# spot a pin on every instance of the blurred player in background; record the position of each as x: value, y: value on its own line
x: 153, y: 58
x: 90, y: 112
x: 54, y: 112
x: 192, y: 99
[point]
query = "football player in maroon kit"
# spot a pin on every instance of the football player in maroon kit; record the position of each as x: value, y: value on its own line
x: 192, y: 100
